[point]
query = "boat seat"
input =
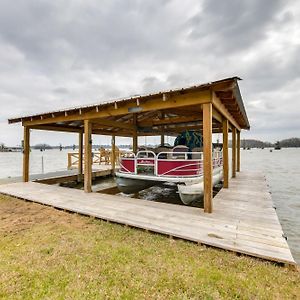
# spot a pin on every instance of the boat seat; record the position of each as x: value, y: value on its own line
x: 197, y: 153
x: 179, y: 148
x: 162, y: 149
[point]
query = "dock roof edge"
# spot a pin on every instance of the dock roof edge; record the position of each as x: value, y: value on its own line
x: 236, y: 92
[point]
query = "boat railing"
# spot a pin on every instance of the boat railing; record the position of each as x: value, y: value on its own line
x: 179, y: 164
x: 167, y: 164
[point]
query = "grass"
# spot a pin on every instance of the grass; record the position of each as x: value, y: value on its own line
x: 51, y: 254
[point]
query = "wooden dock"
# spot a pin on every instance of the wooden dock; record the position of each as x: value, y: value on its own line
x: 60, y: 176
x: 243, y: 220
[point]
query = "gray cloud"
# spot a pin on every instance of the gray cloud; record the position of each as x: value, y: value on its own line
x: 56, y: 54
x: 60, y: 90
x: 234, y: 25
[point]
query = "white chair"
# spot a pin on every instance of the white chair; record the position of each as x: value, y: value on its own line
x: 179, y: 148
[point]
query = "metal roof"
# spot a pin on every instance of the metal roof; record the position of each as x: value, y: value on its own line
x: 100, y: 105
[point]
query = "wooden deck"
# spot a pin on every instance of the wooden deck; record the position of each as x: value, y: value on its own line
x: 243, y: 219
x: 59, y: 176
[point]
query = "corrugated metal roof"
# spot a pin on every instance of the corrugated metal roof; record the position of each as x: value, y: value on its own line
x: 135, y: 98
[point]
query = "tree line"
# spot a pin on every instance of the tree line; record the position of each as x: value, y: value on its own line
x: 252, y: 143
x: 245, y: 143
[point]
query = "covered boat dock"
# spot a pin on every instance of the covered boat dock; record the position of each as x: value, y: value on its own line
x: 214, y: 107
x: 240, y: 218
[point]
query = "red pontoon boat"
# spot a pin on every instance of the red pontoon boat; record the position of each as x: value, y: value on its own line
x: 145, y: 169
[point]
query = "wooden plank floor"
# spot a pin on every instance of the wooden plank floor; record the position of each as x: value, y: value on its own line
x: 59, y: 176
x: 243, y: 219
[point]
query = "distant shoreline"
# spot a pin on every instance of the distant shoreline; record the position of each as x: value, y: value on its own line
x: 245, y: 143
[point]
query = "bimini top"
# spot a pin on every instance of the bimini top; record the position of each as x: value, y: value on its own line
x: 226, y: 90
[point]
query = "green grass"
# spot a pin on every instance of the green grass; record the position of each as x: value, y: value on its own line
x: 51, y: 254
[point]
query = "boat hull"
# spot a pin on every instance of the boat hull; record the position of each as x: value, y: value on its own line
x: 131, y: 185
x: 194, y: 192
x: 189, y: 190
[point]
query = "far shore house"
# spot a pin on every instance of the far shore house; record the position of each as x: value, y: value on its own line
x: 215, y: 107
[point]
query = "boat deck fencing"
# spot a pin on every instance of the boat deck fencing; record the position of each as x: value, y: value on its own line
x: 167, y: 164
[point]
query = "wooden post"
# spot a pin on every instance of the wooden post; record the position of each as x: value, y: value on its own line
x: 233, y: 151
x: 162, y: 136
x: 26, y: 152
x: 87, y: 156
x: 207, y: 157
x: 70, y: 161
x: 80, y: 155
x: 238, y: 151
x: 225, y: 154
x: 134, y: 135
x: 135, y: 142
x: 113, y: 154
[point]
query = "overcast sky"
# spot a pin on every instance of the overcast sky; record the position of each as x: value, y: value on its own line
x: 56, y: 54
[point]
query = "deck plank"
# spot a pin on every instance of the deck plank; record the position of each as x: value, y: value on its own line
x: 243, y: 219
x: 59, y: 176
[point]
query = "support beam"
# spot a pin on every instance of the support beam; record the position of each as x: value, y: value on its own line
x: 110, y: 132
x: 80, y: 157
x: 155, y: 103
x: 26, y: 152
x: 207, y: 157
x: 87, y: 156
x: 170, y: 121
x: 217, y: 116
x: 134, y: 135
x: 100, y: 123
x: 59, y: 128
x: 113, y: 154
x: 180, y: 128
x: 225, y: 154
x: 233, y: 152
x: 162, y: 136
x: 238, y: 151
x: 223, y: 110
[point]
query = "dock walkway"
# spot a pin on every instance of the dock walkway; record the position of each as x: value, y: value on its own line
x: 59, y: 176
x: 243, y: 220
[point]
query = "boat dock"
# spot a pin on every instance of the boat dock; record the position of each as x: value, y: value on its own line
x: 244, y: 219
x: 60, y: 176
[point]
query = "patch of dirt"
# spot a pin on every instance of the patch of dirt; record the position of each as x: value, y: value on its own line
x: 17, y: 215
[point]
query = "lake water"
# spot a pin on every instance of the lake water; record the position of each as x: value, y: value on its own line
x: 282, y: 169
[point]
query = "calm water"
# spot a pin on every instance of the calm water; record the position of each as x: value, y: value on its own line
x: 51, y: 160
x: 282, y: 169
